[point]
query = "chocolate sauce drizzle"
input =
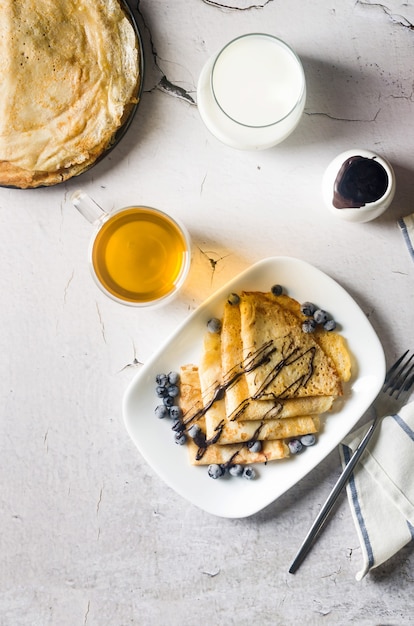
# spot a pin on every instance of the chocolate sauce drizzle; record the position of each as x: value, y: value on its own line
x: 253, y: 361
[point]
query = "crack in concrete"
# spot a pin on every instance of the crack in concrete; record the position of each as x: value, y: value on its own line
x: 135, y: 362
x: 219, y: 5
x: 65, y: 292
x: 164, y: 84
x: 87, y: 613
x: 99, y: 501
x: 202, y: 184
x: 395, y: 17
x: 102, y: 325
x: 213, y: 262
x: 212, y: 574
x: 344, y: 119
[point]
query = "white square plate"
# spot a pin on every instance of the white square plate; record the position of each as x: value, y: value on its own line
x: 236, y: 497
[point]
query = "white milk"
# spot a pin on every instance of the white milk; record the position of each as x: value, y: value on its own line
x: 257, y: 80
x: 252, y: 94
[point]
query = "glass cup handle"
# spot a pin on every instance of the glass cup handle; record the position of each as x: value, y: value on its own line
x: 87, y: 206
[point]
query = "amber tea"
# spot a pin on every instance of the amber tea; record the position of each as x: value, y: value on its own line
x: 140, y: 255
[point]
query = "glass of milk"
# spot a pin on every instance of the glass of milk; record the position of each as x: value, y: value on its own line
x: 251, y: 95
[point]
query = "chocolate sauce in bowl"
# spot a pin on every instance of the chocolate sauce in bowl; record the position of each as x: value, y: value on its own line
x: 360, y: 181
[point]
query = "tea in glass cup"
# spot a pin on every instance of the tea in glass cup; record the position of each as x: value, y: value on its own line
x: 138, y: 255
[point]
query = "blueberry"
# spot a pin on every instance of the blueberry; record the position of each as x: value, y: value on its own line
x: 161, y: 392
x: 200, y: 439
x: 249, y: 473
x: 330, y: 325
x: 320, y: 316
x: 161, y: 411
x: 214, y: 325
x: 180, y: 439
x: 161, y: 379
x: 173, y: 391
x: 177, y: 426
x: 236, y: 470
x: 173, y: 378
x: 215, y: 471
x: 193, y: 431
x: 254, y: 446
x: 175, y: 412
x: 295, y: 446
x: 168, y: 401
x: 308, y: 440
x: 233, y: 298
x: 277, y: 290
x: 308, y: 309
x: 309, y: 325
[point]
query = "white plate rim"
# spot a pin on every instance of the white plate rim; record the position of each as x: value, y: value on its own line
x: 238, y: 498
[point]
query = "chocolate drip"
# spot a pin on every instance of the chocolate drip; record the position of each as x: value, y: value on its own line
x: 253, y: 361
x: 296, y: 384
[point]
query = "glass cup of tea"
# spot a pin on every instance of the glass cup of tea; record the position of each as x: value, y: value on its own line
x: 251, y: 95
x: 138, y: 256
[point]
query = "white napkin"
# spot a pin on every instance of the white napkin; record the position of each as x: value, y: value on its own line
x: 381, y: 489
x: 407, y: 226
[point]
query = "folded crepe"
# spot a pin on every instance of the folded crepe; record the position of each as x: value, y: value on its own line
x: 216, y: 424
x: 239, y: 403
x: 279, y: 359
x: 193, y: 413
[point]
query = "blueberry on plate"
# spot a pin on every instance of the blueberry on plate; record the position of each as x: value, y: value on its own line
x: 173, y: 391
x: 320, y: 316
x: 236, y: 470
x: 161, y: 411
x: 249, y: 473
x: 178, y: 426
x: 330, y: 325
x: 161, y: 391
x: 161, y: 380
x: 180, y: 438
x: 308, y: 440
x: 233, y: 298
x: 295, y: 446
x: 309, y: 325
x: 254, y: 446
x: 308, y: 309
x: 193, y: 431
x: 173, y: 378
x: 214, y: 325
x: 215, y: 471
x: 175, y: 412
x: 277, y: 290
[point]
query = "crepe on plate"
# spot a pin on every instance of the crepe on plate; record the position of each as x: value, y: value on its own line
x: 190, y: 401
x: 261, y: 339
x: 70, y: 75
x: 237, y: 431
x: 239, y: 403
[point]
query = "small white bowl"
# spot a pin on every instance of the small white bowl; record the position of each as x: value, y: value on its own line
x: 368, y: 211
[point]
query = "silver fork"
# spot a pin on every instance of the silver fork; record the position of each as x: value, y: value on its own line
x: 398, y: 383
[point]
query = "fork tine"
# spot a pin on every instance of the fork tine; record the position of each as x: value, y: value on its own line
x: 400, y: 376
x: 392, y: 369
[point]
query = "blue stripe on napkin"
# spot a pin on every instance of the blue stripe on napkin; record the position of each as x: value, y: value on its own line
x: 406, y: 225
x: 358, y: 512
x: 408, y: 431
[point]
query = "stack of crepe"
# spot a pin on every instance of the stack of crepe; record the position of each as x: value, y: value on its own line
x: 262, y: 378
x: 70, y: 75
